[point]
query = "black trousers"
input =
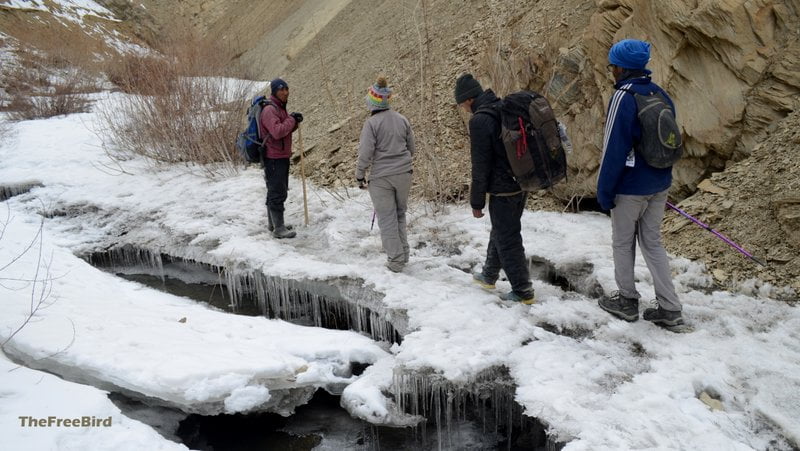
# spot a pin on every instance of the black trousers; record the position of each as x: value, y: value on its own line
x: 505, y: 248
x: 276, y: 173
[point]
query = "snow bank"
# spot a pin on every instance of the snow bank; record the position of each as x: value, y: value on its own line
x: 35, y: 395
x: 121, y: 336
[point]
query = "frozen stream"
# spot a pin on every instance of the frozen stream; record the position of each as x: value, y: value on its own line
x: 482, y: 416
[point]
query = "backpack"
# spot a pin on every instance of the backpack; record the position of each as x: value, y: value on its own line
x: 661, y: 145
x: 249, y: 143
x: 536, y: 155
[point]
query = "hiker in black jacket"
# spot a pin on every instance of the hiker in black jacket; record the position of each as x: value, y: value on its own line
x: 491, y: 173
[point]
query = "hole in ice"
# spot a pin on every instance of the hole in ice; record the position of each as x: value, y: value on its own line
x: 320, y: 424
x: 339, y: 303
x: 487, y: 400
x: 9, y: 191
x: 577, y: 276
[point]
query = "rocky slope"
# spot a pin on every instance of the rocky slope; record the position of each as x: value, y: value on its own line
x: 756, y: 203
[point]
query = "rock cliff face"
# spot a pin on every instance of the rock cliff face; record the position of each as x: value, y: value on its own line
x: 731, y: 67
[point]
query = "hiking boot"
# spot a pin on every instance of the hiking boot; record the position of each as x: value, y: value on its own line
x: 621, y: 306
x: 483, y: 281
x: 280, y: 230
x: 395, y: 266
x: 663, y: 317
x: 528, y: 298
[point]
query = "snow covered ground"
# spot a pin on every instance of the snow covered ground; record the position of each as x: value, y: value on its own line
x: 597, y: 382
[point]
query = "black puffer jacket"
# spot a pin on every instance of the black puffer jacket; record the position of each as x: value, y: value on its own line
x: 491, y: 172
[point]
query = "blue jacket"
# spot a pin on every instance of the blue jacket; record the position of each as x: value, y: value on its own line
x: 623, y: 170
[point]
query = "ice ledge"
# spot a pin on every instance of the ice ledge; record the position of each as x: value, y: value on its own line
x: 121, y: 336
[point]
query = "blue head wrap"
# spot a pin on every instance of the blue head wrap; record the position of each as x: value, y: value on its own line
x: 630, y: 54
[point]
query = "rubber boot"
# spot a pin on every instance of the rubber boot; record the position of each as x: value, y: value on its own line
x: 270, y: 227
x: 280, y: 230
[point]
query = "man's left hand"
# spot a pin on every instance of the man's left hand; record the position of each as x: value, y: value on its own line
x: 477, y: 213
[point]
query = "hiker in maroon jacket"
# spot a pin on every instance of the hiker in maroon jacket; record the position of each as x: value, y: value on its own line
x: 277, y: 127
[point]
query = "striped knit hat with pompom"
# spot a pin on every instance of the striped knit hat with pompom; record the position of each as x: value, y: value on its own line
x: 378, y: 95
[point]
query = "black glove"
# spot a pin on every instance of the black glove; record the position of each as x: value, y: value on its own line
x: 362, y: 183
x: 297, y: 117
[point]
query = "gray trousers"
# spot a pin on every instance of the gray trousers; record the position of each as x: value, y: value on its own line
x: 640, y: 216
x: 390, y: 198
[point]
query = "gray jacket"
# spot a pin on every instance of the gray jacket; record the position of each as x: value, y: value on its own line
x: 387, y: 144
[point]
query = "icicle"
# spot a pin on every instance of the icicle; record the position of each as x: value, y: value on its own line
x: 7, y: 192
x: 488, y: 398
x: 339, y: 303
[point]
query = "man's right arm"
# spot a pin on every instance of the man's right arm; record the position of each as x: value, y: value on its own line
x: 481, y: 140
x: 273, y: 124
x: 617, y: 144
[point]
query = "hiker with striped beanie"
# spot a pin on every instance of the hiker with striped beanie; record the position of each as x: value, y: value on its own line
x: 386, y: 150
x: 378, y: 96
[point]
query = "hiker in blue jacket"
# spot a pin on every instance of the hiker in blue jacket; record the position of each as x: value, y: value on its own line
x: 635, y: 192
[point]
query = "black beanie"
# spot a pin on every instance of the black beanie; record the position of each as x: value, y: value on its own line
x: 467, y: 88
x: 277, y: 84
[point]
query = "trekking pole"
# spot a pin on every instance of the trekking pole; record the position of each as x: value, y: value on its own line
x: 719, y: 235
x: 303, y: 172
x: 372, y: 226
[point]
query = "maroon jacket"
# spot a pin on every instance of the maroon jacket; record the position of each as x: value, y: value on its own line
x: 277, y: 126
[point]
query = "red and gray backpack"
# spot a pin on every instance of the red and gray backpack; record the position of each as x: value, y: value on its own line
x: 532, y: 139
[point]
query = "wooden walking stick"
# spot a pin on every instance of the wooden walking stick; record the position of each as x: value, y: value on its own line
x: 303, y: 172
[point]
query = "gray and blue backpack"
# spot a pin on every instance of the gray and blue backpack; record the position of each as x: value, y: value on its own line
x: 249, y: 143
x: 661, y: 144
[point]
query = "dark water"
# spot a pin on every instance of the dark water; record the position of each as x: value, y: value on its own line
x: 320, y: 425
x: 213, y: 294
x: 342, y: 303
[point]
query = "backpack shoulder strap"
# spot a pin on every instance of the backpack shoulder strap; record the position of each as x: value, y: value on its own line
x: 629, y: 91
x: 262, y: 104
x: 491, y: 111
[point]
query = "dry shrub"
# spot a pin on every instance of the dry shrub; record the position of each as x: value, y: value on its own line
x: 55, y: 64
x: 141, y: 74
x: 430, y: 170
x: 41, y: 86
x: 5, y: 130
x: 179, y: 113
